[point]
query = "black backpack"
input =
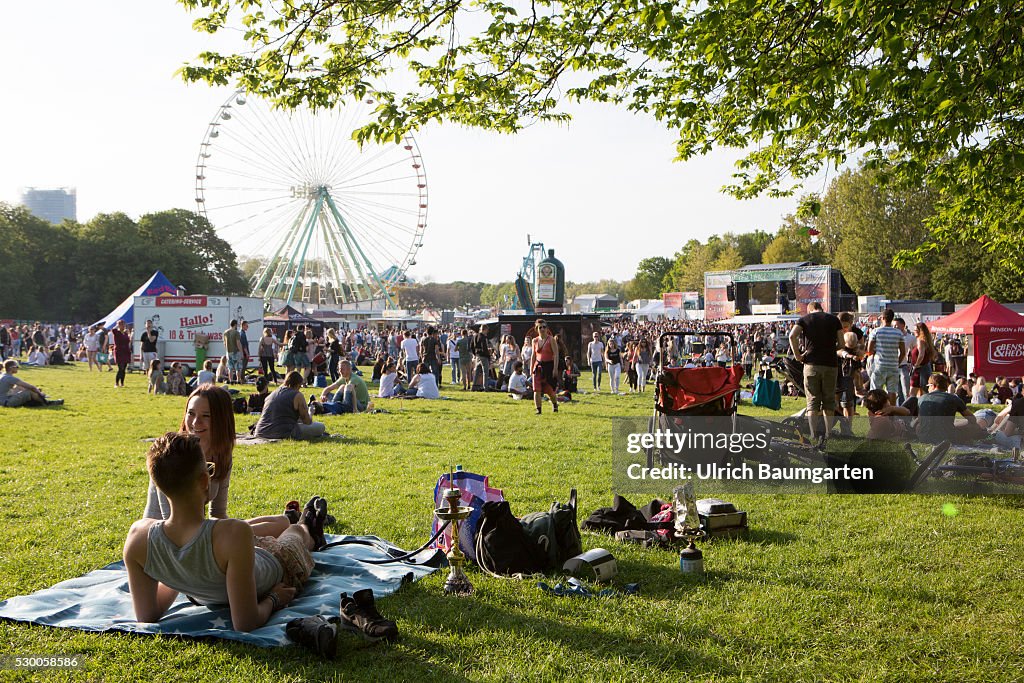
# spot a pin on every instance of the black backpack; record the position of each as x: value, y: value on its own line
x: 621, y: 516
x: 502, y: 546
x: 539, y: 542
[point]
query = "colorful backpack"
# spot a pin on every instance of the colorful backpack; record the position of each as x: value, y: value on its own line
x: 476, y: 490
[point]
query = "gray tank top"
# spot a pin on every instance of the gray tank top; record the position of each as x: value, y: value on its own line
x: 192, y: 569
x: 279, y: 417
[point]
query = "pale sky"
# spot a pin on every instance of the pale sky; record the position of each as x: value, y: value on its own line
x: 91, y: 101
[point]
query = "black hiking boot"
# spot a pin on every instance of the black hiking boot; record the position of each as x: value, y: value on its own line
x: 317, y: 634
x: 359, y: 614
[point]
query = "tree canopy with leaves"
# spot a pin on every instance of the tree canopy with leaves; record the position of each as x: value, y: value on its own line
x: 79, y: 271
x: 925, y: 91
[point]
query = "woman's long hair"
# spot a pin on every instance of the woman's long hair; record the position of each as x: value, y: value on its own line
x: 222, y: 427
x: 929, y: 346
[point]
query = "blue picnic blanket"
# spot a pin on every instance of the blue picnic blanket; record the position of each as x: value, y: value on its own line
x: 100, y: 601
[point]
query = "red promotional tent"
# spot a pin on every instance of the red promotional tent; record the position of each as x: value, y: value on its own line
x: 998, y: 335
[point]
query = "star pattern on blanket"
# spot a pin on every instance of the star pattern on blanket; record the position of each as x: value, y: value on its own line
x: 100, y: 601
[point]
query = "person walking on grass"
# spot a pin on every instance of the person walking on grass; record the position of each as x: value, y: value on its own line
x: 91, y: 341
x: 613, y: 359
x: 545, y: 366
x: 122, y: 351
x: 595, y: 355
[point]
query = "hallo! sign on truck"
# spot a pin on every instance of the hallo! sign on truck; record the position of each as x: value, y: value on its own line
x: 180, y: 318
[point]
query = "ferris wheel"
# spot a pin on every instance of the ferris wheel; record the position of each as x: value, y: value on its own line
x: 330, y: 222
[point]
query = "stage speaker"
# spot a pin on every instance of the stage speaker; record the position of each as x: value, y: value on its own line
x: 730, y: 292
x: 790, y: 289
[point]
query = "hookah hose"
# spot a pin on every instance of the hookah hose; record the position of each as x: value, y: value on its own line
x: 397, y: 558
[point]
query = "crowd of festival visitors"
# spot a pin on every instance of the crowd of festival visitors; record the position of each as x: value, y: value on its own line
x: 409, y: 362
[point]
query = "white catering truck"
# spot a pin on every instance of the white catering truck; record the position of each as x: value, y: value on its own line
x: 180, y: 318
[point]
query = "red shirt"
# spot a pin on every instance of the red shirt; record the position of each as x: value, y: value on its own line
x: 544, y: 349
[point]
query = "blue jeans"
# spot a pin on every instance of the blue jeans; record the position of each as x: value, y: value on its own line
x: 904, y: 391
x: 1005, y: 442
x: 335, y: 407
x: 410, y: 368
x: 456, y: 371
x: 435, y: 368
x: 596, y: 368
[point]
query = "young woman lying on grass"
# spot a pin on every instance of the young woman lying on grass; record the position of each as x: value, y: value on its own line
x: 208, y: 415
x: 213, y: 561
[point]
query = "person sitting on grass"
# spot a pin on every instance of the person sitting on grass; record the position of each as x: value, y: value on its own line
x: 157, y: 385
x: 209, y: 416
x: 886, y: 421
x: 389, y: 384
x: 348, y: 395
x: 379, y: 367
x: 15, y: 392
x: 937, y: 411
x: 223, y: 371
x: 571, y: 377
x: 206, y: 375
x: 56, y: 356
x: 519, y: 384
x: 214, y: 562
x: 286, y: 415
x: 424, y: 383
x: 258, y: 399
x: 176, y: 385
x: 979, y: 392
x: 36, y: 357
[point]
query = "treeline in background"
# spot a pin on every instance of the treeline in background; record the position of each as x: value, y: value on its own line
x: 80, y: 271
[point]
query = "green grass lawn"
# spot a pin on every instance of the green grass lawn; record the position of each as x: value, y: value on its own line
x: 825, y: 588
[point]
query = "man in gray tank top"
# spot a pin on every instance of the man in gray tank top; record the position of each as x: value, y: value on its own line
x: 214, y: 562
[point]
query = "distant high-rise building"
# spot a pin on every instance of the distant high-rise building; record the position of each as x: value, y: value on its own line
x: 50, y: 204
